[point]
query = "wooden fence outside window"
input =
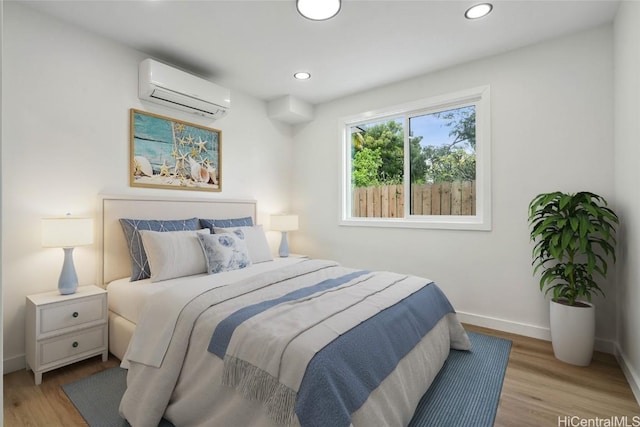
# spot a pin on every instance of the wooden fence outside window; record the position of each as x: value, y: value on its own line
x: 443, y: 198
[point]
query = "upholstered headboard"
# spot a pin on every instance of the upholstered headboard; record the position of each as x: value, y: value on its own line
x: 113, y: 252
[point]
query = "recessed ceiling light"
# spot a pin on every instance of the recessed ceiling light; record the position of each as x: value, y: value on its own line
x: 302, y: 75
x: 478, y: 11
x: 318, y: 10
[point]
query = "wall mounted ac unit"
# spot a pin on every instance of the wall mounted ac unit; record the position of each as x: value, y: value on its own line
x: 168, y: 86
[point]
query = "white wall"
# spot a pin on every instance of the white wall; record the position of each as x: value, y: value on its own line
x: 1, y: 302
x: 552, y: 129
x: 627, y: 177
x: 66, y: 99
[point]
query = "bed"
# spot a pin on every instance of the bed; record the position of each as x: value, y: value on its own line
x: 291, y: 341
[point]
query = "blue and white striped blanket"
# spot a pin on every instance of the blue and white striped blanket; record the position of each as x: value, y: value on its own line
x: 388, y: 315
x: 311, y: 341
x: 339, y: 378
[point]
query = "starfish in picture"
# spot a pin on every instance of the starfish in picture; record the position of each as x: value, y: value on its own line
x: 164, y: 169
x: 179, y: 169
x: 180, y: 157
x: 179, y: 127
x: 202, y: 145
x: 182, y: 142
x: 190, y: 139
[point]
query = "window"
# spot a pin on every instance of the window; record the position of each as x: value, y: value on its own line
x: 424, y: 164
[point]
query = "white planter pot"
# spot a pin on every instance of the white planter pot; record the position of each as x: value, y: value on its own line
x: 573, y: 331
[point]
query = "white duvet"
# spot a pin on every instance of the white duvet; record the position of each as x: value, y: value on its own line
x: 172, y: 373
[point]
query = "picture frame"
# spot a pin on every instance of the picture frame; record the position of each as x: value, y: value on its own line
x: 173, y: 154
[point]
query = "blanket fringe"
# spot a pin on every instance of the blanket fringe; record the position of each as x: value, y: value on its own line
x: 255, y: 384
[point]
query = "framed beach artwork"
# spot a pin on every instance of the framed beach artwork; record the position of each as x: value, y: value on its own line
x: 170, y: 153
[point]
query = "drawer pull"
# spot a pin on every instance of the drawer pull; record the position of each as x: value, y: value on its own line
x: 75, y: 344
x: 75, y: 314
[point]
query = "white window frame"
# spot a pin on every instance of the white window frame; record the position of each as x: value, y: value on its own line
x: 480, y: 97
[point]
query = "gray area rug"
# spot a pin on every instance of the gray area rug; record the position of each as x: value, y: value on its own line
x: 465, y: 392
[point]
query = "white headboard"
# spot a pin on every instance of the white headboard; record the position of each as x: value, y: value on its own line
x: 113, y: 252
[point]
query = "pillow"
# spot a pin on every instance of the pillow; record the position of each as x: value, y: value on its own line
x: 131, y: 227
x: 224, y: 252
x: 226, y: 223
x: 173, y: 254
x: 256, y: 241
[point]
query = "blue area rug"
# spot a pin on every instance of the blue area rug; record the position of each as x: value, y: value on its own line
x: 465, y: 392
x: 467, y: 389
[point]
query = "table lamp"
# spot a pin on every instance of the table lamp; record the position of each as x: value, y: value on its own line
x: 284, y: 223
x: 66, y: 233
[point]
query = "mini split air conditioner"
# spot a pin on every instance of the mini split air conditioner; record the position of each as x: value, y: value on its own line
x: 168, y: 86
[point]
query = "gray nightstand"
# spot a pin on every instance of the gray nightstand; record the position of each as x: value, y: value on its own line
x: 63, y: 329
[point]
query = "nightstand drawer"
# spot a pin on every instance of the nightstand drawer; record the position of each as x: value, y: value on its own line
x: 66, y: 346
x: 74, y: 313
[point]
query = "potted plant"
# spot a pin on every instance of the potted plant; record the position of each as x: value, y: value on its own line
x: 575, y: 236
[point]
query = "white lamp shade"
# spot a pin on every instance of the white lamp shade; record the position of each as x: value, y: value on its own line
x: 67, y: 232
x: 318, y: 10
x: 284, y: 222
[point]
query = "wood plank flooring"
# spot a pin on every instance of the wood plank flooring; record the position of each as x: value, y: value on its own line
x: 46, y: 405
x: 538, y: 390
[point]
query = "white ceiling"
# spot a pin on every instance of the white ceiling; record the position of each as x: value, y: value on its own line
x: 256, y: 46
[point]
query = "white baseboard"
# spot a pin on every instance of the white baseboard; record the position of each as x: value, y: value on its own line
x: 518, y: 328
x: 525, y: 329
x: 13, y: 364
x: 632, y: 377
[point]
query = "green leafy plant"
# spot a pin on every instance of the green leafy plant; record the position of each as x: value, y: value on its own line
x: 574, y: 235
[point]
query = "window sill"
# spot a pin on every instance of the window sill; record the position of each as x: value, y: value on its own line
x: 471, y: 223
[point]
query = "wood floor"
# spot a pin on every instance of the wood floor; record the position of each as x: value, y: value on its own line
x: 538, y: 391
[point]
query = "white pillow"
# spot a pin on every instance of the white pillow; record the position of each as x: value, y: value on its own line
x: 174, y: 254
x: 255, y: 240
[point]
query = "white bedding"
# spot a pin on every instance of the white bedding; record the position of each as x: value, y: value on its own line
x: 185, y: 383
x: 127, y: 298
